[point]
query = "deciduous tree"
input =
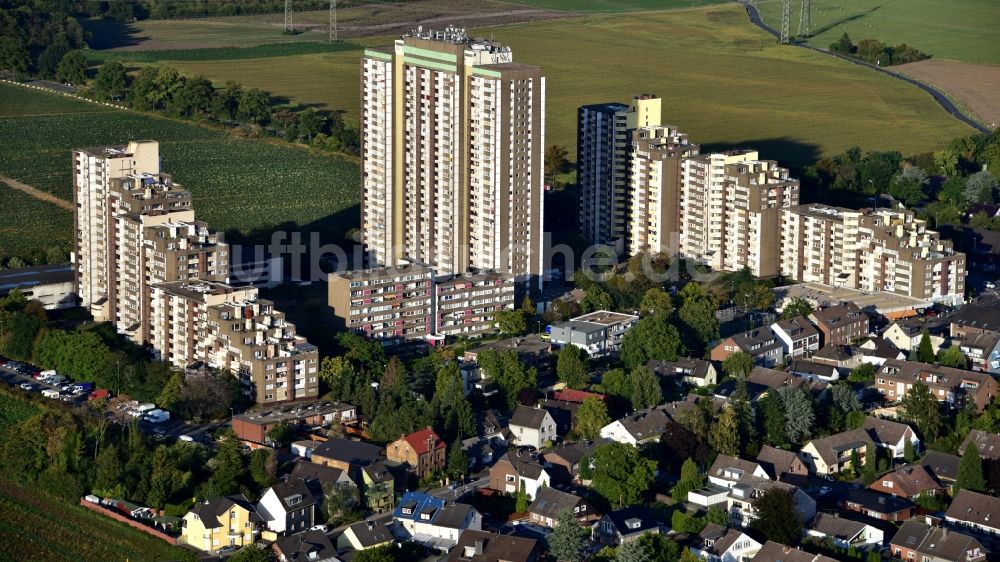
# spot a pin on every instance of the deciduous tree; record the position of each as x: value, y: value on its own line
x: 571, y: 366
x: 651, y: 338
x: 72, y: 68
x: 921, y: 407
x: 591, y: 417
x: 111, y: 81
x: 620, y: 474
x: 776, y: 517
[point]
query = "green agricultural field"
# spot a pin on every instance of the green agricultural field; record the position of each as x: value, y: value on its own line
x: 238, y: 184
x: 225, y: 53
x: 35, y: 226
x: 187, y: 34
x: 963, y: 30
x: 51, y: 529
x: 612, y: 6
x: 722, y: 80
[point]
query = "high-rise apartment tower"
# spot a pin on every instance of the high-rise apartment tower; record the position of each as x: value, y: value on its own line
x: 452, y: 145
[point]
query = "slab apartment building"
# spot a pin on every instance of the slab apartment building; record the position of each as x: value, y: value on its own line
x: 452, y: 143
x: 870, y: 250
x: 136, y: 238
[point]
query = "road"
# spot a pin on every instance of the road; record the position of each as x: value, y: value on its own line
x: 938, y: 96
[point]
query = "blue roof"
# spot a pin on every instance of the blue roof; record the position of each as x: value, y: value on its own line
x: 416, y: 503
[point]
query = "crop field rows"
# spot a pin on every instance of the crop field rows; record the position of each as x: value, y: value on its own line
x: 238, y: 184
x: 33, y: 522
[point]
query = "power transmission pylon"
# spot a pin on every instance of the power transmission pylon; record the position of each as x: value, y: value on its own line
x: 289, y: 26
x: 804, y: 16
x: 786, y: 13
x: 333, y: 20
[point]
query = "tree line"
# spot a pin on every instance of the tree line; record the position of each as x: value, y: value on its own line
x: 876, y: 52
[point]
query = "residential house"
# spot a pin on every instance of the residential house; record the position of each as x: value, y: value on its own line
x: 845, y: 532
x: 906, y: 333
x: 644, y: 426
x: 759, y: 343
x: 626, y: 525
x: 908, y: 482
x: 316, y: 477
x: 563, y: 413
x: 843, y: 357
x: 954, y: 387
x: 744, y: 493
x: 480, y: 452
x: 916, y: 540
x: 696, y: 372
x: 814, y: 371
x: 565, y: 460
x: 878, y: 506
x: 576, y: 396
x: 532, y: 427
x: 251, y: 427
x: 532, y: 350
x: 782, y: 465
x: 840, y: 324
x: 878, y: 350
x: 422, y: 451
x: 891, y: 435
x: 987, y: 443
x: 798, y: 336
x: 942, y: 466
x: 976, y: 513
x: 287, y: 507
x: 220, y: 521
x: 983, y: 352
x: 481, y: 546
x: 598, y: 333
x: 378, y: 487
x: 977, y: 317
x: 364, y: 535
x: 834, y: 453
x: 549, y: 502
x: 433, y: 522
x: 716, y: 543
x: 345, y: 454
x: 777, y: 552
x: 513, y: 472
x: 726, y: 471
x: 308, y: 546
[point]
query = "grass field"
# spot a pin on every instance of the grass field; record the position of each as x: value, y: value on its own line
x: 962, y: 30
x: 722, y: 80
x: 186, y: 34
x: 612, y: 6
x: 237, y: 184
x: 35, y: 224
x: 34, y: 524
x: 266, y: 50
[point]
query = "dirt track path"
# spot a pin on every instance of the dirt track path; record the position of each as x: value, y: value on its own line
x: 36, y: 193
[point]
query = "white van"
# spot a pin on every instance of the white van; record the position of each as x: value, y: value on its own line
x: 157, y: 416
x: 50, y: 393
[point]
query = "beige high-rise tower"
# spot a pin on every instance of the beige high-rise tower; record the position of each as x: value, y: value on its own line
x: 452, y: 144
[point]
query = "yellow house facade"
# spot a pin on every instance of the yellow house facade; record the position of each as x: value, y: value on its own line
x: 220, y: 521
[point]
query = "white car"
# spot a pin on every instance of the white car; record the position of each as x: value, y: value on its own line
x: 323, y: 528
x: 186, y: 438
x: 991, y: 285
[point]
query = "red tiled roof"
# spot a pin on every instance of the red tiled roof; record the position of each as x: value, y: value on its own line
x: 570, y: 395
x: 418, y: 440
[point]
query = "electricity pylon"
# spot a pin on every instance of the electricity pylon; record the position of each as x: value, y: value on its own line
x: 804, y: 22
x: 786, y: 16
x: 289, y: 26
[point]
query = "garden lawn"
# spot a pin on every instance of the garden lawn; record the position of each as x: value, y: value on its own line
x: 962, y: 30
x: 237, y: 184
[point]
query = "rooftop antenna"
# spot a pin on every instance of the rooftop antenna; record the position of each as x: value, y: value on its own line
x: 804, y: 17
x: 333, y: 20
x: 786, y: 11
x: 289, y: 27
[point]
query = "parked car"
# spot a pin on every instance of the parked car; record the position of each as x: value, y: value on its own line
x: 186, y: 438
x: 50, y: 393
x: 991, y: 285
x: 27, y: 386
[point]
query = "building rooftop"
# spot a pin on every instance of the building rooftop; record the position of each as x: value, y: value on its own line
x: 820, y: 294
x: 293, y: 412
x: 197, y: 290
x: 28, y: 277
x: 606, y: 318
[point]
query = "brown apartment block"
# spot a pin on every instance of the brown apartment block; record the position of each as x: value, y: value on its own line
x: 840, y: 324
x: 655, y: 188
x: 387, y: 303
x: 870, y: 250
x: 234, y: 329
x: 465, y: 305
x: 955, y: 387
x: 452, y: 140
x: 731, y: 207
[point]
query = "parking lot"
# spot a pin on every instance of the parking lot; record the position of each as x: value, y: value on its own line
x: 23, y: 376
